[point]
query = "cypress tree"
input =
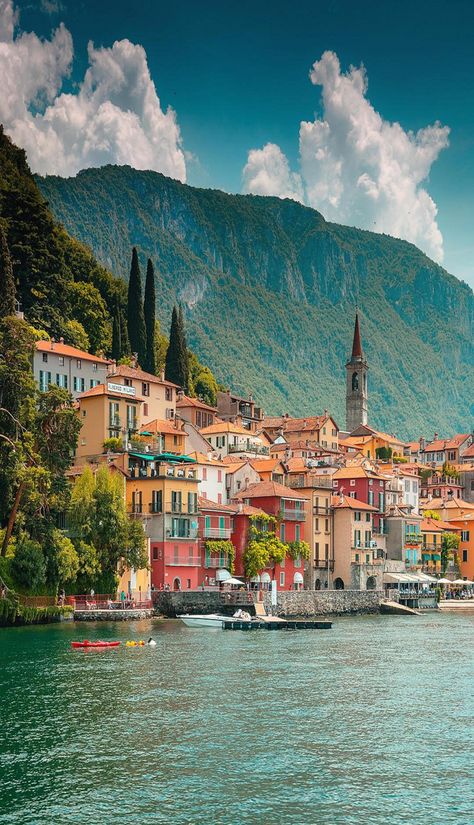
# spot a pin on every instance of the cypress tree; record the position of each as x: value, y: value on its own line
x: 149, y: 312
x: 183, y: 349
x: 135, y: 316
x: 124, y: 342
x: 172, y: 362
x: 7, y: 281
x: 116, y: 336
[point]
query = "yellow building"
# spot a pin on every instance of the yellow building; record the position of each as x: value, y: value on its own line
x: 159, y: 396
x: 432, y: 536
x: 319, y: 522
x: 368, y: 441
x: 107, y: 411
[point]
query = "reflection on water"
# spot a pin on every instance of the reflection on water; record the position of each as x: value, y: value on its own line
x: 370, y: 722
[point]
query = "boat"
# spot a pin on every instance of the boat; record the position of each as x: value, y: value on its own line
x: 86, y: 643
x: 202, y: 620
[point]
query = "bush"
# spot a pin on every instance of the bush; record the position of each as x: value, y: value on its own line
x: 112, y: 444
x: 28, y: 568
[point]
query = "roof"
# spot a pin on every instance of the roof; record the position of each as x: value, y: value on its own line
x: 161, y: 426
x: 72, y: 352
x: 186, y: 401
x: 446, y: 443
x: 103, y: 389
x: 356, y: 343
x: 226, y: 427
x: 248, y: 510
x: 341, y: 502
x: 445, y: 504
x: 431, y: 525
x: 200, y: 458
x: 269, y: 489
x: 264, y: 465
x: 207, y: 504
x: 355, y: 472
x: 233, y: 466
x: 469, y: 452
x: 140, y: 375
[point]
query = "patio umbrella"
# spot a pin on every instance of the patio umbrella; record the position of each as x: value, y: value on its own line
x: 231, y: 580
x: 445, y: 581
x: 459, y: 581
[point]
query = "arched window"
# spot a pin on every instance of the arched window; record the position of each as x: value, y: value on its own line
x: 371, y: 583
x: 339, y: 584
x: 355, y: 381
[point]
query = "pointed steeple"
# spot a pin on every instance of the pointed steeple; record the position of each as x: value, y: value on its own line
x: 356, y: 344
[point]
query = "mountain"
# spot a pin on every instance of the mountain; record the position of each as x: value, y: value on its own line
x: 269, y: 289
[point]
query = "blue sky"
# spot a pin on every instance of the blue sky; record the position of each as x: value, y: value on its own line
x: 236, y: 75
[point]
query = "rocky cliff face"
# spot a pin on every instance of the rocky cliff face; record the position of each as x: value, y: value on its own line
x: 270, y: 288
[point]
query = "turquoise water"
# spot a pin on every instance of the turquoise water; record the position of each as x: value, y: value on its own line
x: 370, y: 722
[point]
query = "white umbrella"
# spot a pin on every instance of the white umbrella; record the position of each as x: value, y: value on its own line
x: 231, y: 580
x: 445, y: 581
x: 460, y: 581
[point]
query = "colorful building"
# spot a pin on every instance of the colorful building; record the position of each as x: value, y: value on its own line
x: 212, y: 478
x: 364, y: 484
x: 358, y: 559
x: 216, y: 522
x: 107, y: 411
x: 319, y: 527
x: 227, y: 438
x: 241, y: 411
x: 195, y: 411
x: 75, y: 370
x: 159, y: 395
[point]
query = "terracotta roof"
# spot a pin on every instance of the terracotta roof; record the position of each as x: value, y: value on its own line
x: 72, y: 352
x: 445, y: 504
x: 469, y: 452
x: 186, y: 401
x: 139, y: 374
x: 200, y: 458
x: 340, y: 502
x: 102, y: 389
x: 226, y: 427
x: 269, y: 489
x: 265, y: 464
x: 431, y: 525
x: 356, y: 344
x: 248, y: 510
x: 446, y: 443
x: 355, y: 472
x: 207, y: 504
x: 234, y: 466
x: 157, y: 425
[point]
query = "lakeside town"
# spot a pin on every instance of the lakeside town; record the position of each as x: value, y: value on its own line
x: 229, y: 494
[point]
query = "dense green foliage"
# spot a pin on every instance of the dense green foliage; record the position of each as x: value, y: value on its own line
x: 449, y: 546
x: 57, y: 279
x: 149, y: 309
x: 269, y: 289
x: 177, y: 363
x: 135, y: 315
x: 7, y: 282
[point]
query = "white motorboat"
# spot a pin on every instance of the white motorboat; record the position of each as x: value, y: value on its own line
x: 202, y: 620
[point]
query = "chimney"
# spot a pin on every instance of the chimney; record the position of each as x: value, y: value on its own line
x: 435, y: 437
x: 325, y: 413
x: 162, y: 375
x: 180, y: 395
x: 240, y: 507
x: 53, y: 341
x: 61, y: 340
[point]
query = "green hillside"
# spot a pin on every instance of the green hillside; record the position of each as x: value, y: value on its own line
x: 269, y: 288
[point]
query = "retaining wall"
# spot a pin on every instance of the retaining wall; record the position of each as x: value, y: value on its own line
x: 112, y: 615
x: 170, y: 602
x: 307, y: 603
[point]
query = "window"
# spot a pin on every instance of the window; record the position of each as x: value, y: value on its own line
x: 355, y: 382
x: 61, y: 360
x: 44, y: 380
x: 156, y: 501
x: 371, y: 497
x: 155, y: 553
x: 464, y: 555
x: 219, y: 476
x: 367, y: 558
x: 368, y: 537
x: 326, y: 550
x: 357, y: 515
x: 145, y: 409
x: 131, y: 417
x: 316, y: 525
x: 145, y: 388
x: 282, y: 579
x: 74, y: 384
x: 352, y: 495
x: 204, y: 473
x: 326, y: 525
x: 94, y: 382
x: 356, y: 538
x: 371, y: 481
x: 352, y: 482
x: 79, y: 364
x: 175, y: 501
x: 381, y: 502
x: 282, y: 532
x: 168, y: 393
x: 95, y: 367
x: 192, y: 503
x: 298, y: 532
x: 367, y: 517
x: 61, y: 381
x: 357, y: 557
x: 45, y: 357
x: 219, y: 498
x: 464, y: 535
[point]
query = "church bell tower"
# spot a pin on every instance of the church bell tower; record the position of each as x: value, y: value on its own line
x: 356, y: 384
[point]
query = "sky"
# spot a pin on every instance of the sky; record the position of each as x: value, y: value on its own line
x: 364, y: 111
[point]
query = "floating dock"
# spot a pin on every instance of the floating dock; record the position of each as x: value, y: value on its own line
x: 280, y: 624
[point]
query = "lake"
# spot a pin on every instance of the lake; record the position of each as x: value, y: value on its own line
x: 370, y: 722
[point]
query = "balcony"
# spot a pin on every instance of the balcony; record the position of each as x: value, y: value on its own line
x: 216, y: 561
x: 293, y: 515
x: 182, y: 559
x: 254, y: 449
x: 322, y: 564
x: 217, y: 533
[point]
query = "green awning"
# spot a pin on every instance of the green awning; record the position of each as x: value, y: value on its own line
x: 143, y: 456
x: 183, y: 459
x: 144, y: 432
x: 436, y: 557
x: 426, y: 555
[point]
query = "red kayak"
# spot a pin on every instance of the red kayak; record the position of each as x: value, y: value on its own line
x: 85, y: 643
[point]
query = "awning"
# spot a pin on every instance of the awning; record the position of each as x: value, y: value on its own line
x: 297, y: 578
x: 143, y: 456
x: 401, y: 578
x: 222, y: 575
x: 425, y: 578
x: 231, y: 580
x: 436, y: 557
x: 265, y: 577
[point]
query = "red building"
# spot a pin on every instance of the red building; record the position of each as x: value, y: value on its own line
x: 288, y: 507
x: 215, y: 530
x: 364, y: 485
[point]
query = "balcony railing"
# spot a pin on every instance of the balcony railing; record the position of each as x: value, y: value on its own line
x: 161, y: 471
x: 221, y: 561
x: 248, y: 448
x: 114, y: 422
x: 217, y: 533
x: 322, y: 564
x: 182, y: 560
x: 293, y: 515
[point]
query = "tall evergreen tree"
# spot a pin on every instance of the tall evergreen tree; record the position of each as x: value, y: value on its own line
x: 176, y: 359
x: 149, y: 312
x: 124, y: 341
x: 116, y: 335
x: 7, y: 282
x: 184, y: 349
x: 135, y: 316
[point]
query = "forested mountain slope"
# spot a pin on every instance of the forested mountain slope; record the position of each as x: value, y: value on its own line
x: 269, y: 289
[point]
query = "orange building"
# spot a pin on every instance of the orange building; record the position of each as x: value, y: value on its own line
x: 107, y: 411
x: 196, y: 412
x: 159, y: 395
x: 465, y: 524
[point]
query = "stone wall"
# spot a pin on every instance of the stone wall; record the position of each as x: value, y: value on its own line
x: 170, y: 602
x: 308, y: 603
x: 111, y: 615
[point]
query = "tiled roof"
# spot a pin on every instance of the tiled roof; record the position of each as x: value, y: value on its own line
x: 355, y: 472
x: 233, y: 466
x: 226, y: 427
x: 469, y: 452
x: 200, y: 458
x: 248, y: 510
x: 446, y: 443
x: 140, y: 375
x: 269, y: 489
x: 455, y: 504
x: 265, y: 465
x: 102, y: 389
x: 186, y: 401
x: 72, y: 352
x: 207, y: 504
x: 161, y: 426
x: 341, y: 502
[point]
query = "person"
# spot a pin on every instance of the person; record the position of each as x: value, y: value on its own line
x: 92, y: 593
x: 122, y: 598
x: 62, y: 596
x: 151, y: 642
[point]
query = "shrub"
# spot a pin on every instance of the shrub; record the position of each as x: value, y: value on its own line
x: 112, y: 444
x: 29, y: 567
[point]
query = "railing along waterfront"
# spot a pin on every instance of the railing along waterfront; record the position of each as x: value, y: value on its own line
x: 104, y: 601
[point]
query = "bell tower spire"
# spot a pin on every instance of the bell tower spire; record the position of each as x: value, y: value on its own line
x: 356, y: 383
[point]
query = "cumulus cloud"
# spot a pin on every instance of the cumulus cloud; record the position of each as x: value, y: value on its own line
x: 114, y: 117
x: 358, y: 168
x: 267, y: 172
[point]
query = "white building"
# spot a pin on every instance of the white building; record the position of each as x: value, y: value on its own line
x: 55, y: 362
x: 212, y: 476
x: 231, y: 439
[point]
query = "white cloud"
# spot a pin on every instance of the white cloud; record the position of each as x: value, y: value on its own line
x: 358, y: 168
x: 115, y: 116
x: 267, y: 172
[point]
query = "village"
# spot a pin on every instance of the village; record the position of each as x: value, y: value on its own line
x: 227, y: 493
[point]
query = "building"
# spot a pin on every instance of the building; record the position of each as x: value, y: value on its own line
x: 269, y: 469
x: 216, y: 522
x: 159, y: 396
x: 239, y: 476
x: 438, y: 485
x: 358, y: 560
x: 241, y: 411
x: 432, y: 532
x: 107, y: 411
x: 374, y: 444
x: 311, y: 433
x: 289, y: 510
x: 55, y: 362
x: 356, y: 384
x: 231, y: 439
x: 196, y: 412
x: 319, y: 525
x: 464, y: 525
x: 404, y: 540
x: 160, y: 436
x: 441, y: 451
x: 212, y: 478
x: 364, y: 484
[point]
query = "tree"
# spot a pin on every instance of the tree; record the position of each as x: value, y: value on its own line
x: 184, y: 348
x: 149, y: 312
x: 161, y: 348
x: 433, y: 514
x: 76, y: 336
x: 91, y: 311
x: 449, y: 547
x: 7, y: 282
x: 135, y: 315
x: 384, y: 453
x: 62, y: 559
x: 28, y: 566
x: 120, y: 342
x: 176, y: 365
